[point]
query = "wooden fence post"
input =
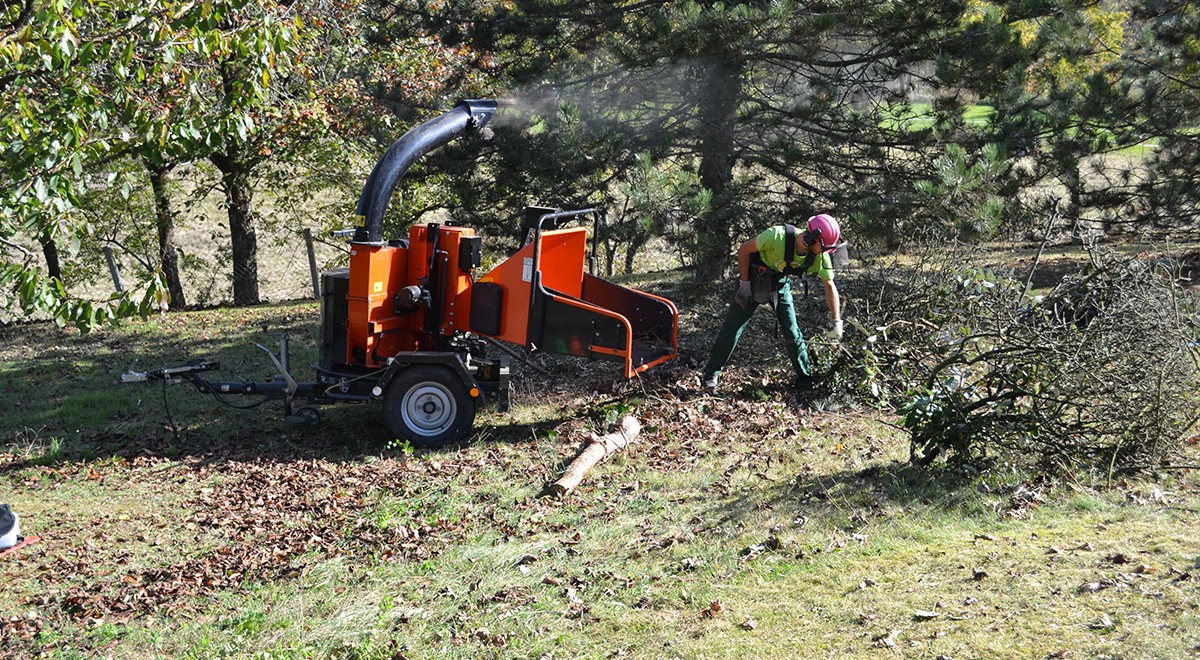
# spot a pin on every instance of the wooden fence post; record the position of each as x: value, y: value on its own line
x: 312, y: 263
x: 112, y: 269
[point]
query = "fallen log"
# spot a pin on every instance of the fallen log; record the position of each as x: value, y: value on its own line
x: 600, y: 448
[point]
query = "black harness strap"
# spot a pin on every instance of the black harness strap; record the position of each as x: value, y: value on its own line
x: 789, y: 253
x: 789, y: 246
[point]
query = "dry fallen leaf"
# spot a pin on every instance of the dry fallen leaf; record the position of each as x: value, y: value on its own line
x: 714, y: 608
x: 887, y: 641
x: 1102, y: 622
x: 574, y: 539
x: 749, y: 624
x: 925, y: 615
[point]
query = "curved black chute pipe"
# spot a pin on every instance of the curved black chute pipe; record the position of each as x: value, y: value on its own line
x: 466, y: 116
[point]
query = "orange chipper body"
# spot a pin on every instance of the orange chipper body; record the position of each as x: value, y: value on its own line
x: 414, y: 296
x: 378, y: 325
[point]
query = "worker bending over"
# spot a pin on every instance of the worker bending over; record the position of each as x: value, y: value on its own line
x: 764, y: 262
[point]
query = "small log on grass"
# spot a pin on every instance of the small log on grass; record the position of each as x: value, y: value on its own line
x: 599, y: 449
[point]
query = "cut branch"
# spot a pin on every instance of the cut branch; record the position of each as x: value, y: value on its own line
x: 599, y: 449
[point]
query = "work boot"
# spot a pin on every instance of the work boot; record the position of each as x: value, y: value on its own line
x: 709, y: 384
x: 805, y: 383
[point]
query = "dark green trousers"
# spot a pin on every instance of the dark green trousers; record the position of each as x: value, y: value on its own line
x: 736, y: 320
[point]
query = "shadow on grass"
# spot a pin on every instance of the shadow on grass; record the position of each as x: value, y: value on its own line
x: 853, y: 499
x: 65, y: 403
x: 347, y: 433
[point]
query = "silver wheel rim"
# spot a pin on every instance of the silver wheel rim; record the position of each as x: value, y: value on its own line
x: 429, y: 409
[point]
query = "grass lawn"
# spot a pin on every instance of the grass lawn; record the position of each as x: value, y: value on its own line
x: 745, y: 525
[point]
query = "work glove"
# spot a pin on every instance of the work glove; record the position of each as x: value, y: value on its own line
x: 742, y: 297
x: 836, y: 332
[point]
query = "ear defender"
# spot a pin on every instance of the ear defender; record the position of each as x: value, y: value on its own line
x: 811, y: 236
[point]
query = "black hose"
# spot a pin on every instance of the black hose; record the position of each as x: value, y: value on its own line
x: 403, y: 153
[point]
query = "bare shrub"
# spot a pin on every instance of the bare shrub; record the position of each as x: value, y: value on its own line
x: 1100, y: 370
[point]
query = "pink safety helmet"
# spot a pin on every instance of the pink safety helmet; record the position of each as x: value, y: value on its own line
x: 828, y: 229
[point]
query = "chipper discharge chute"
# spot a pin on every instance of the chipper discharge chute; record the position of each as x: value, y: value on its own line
x: 411, y: 320
x: 542, y: 298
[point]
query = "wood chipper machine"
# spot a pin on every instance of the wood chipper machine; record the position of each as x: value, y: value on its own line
x: 410, y: 321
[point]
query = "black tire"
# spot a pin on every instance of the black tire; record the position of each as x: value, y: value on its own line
x: 309, y: 416
x: 428, y: 406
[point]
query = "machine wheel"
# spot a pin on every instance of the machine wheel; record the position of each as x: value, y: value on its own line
x: 309, y: 416
x: 429, y: 406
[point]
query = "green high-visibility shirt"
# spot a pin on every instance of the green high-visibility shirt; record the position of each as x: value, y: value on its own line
x: 771, y: 249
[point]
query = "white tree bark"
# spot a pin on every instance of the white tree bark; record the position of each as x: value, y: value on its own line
x: 599, y: 449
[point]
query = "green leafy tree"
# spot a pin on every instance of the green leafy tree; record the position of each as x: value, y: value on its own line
x: 1043, y: 72
x: 243, y: 111
x: 659, y: 201
x: 162, y: 116
x: 961, y: 199
x: 1160, y: 99
x: 669, y: 81
x: 776, y: 107
x: 72, y: 70
x: 785, y: 108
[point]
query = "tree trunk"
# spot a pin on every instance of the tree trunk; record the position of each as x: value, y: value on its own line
x: 235, y: 179
x: 165, y: 221
x: 53, y: 267
x: 720, y: 87
x: 630, y: 255
x: 631, y: 249
x: 1074, y: 185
